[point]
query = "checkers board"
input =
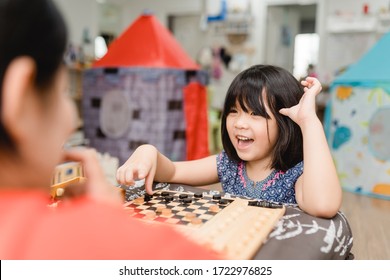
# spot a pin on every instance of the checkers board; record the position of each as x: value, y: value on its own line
x: 234, y: 227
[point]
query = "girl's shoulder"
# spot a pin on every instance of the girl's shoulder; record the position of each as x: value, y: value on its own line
x: 223, y: 159
x: 299, y: 165
x: 226, y: 164
x: 294, y: 171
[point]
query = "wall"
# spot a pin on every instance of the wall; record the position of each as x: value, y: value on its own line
x: 341, y: 49
x: 110, y: 18
x: 336, y: 50
x: 80, y: 15
x: 283, y: 25
x: 356, y: 6
x: 161, y: 9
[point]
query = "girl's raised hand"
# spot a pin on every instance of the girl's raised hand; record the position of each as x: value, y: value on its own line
x: 306, y: 108
x: 141, y: 165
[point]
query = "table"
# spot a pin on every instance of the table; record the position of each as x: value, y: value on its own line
x: 297, y: 235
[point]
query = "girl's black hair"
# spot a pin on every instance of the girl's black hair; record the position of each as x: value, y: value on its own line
x: 33, y: 28
x: 282, y: 90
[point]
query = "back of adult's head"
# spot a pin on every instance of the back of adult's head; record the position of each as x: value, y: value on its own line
x: 32, y: 28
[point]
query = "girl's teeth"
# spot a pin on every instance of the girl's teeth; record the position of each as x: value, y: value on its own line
x: 243, y: 138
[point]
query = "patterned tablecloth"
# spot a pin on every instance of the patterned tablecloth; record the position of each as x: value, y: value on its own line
x: 296, y: 236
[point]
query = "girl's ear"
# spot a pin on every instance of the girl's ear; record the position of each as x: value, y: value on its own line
x: 17, y: 94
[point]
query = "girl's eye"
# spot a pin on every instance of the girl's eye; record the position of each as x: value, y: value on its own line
x: 232, y: 111
x: 255, y: 114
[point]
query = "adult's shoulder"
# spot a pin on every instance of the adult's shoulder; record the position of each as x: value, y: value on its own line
x: 88, y: 229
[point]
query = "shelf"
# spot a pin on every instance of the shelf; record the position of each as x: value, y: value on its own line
x: 339, y: 24
x: 236, y: 24
x: 359, y: 24
x: 383, y: 23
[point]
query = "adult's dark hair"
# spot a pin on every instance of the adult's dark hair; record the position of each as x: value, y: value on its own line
x: 282, y: 90
x: 35, y: 29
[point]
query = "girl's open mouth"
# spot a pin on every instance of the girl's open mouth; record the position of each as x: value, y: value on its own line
x: 243, y: 142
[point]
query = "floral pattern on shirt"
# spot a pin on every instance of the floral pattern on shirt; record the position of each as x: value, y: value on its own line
x: 279, y: 186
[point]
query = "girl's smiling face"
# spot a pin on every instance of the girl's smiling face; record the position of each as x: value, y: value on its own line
x: 252, y: 127
x: 252, y: 135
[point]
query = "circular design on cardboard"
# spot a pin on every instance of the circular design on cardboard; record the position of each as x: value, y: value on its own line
x: 115, y: 114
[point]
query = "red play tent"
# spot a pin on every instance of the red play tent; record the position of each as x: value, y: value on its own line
x: 146, y: 43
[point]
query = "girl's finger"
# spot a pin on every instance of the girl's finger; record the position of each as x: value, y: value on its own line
x: 143, y: 170
x: 311, y: 80
x: 149, y: 184
x: 284, y: 111
x: 129, y: 177
x: 304, y: 82
x: 120, y: 175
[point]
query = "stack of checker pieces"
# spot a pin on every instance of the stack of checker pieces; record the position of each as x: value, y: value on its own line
x: 234, y: 227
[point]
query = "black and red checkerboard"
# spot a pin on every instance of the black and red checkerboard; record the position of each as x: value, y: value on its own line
x: 179, y: 207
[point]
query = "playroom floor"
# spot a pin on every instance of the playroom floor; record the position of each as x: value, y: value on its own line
x: 369, y: 219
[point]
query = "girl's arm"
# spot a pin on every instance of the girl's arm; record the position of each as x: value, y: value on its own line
x: 318, y: 190
x: 148, y: 163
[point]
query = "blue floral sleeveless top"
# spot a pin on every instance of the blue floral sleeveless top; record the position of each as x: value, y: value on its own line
x: 279, y: 186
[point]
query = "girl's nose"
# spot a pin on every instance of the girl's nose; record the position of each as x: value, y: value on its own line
x: 241, y: 122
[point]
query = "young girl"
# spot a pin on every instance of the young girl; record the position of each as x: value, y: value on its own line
x: 274, y: 147
x: 36, y: 118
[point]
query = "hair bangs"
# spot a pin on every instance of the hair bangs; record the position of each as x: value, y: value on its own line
x: 248, y: 95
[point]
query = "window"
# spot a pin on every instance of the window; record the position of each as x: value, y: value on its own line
x: 305, y: 53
